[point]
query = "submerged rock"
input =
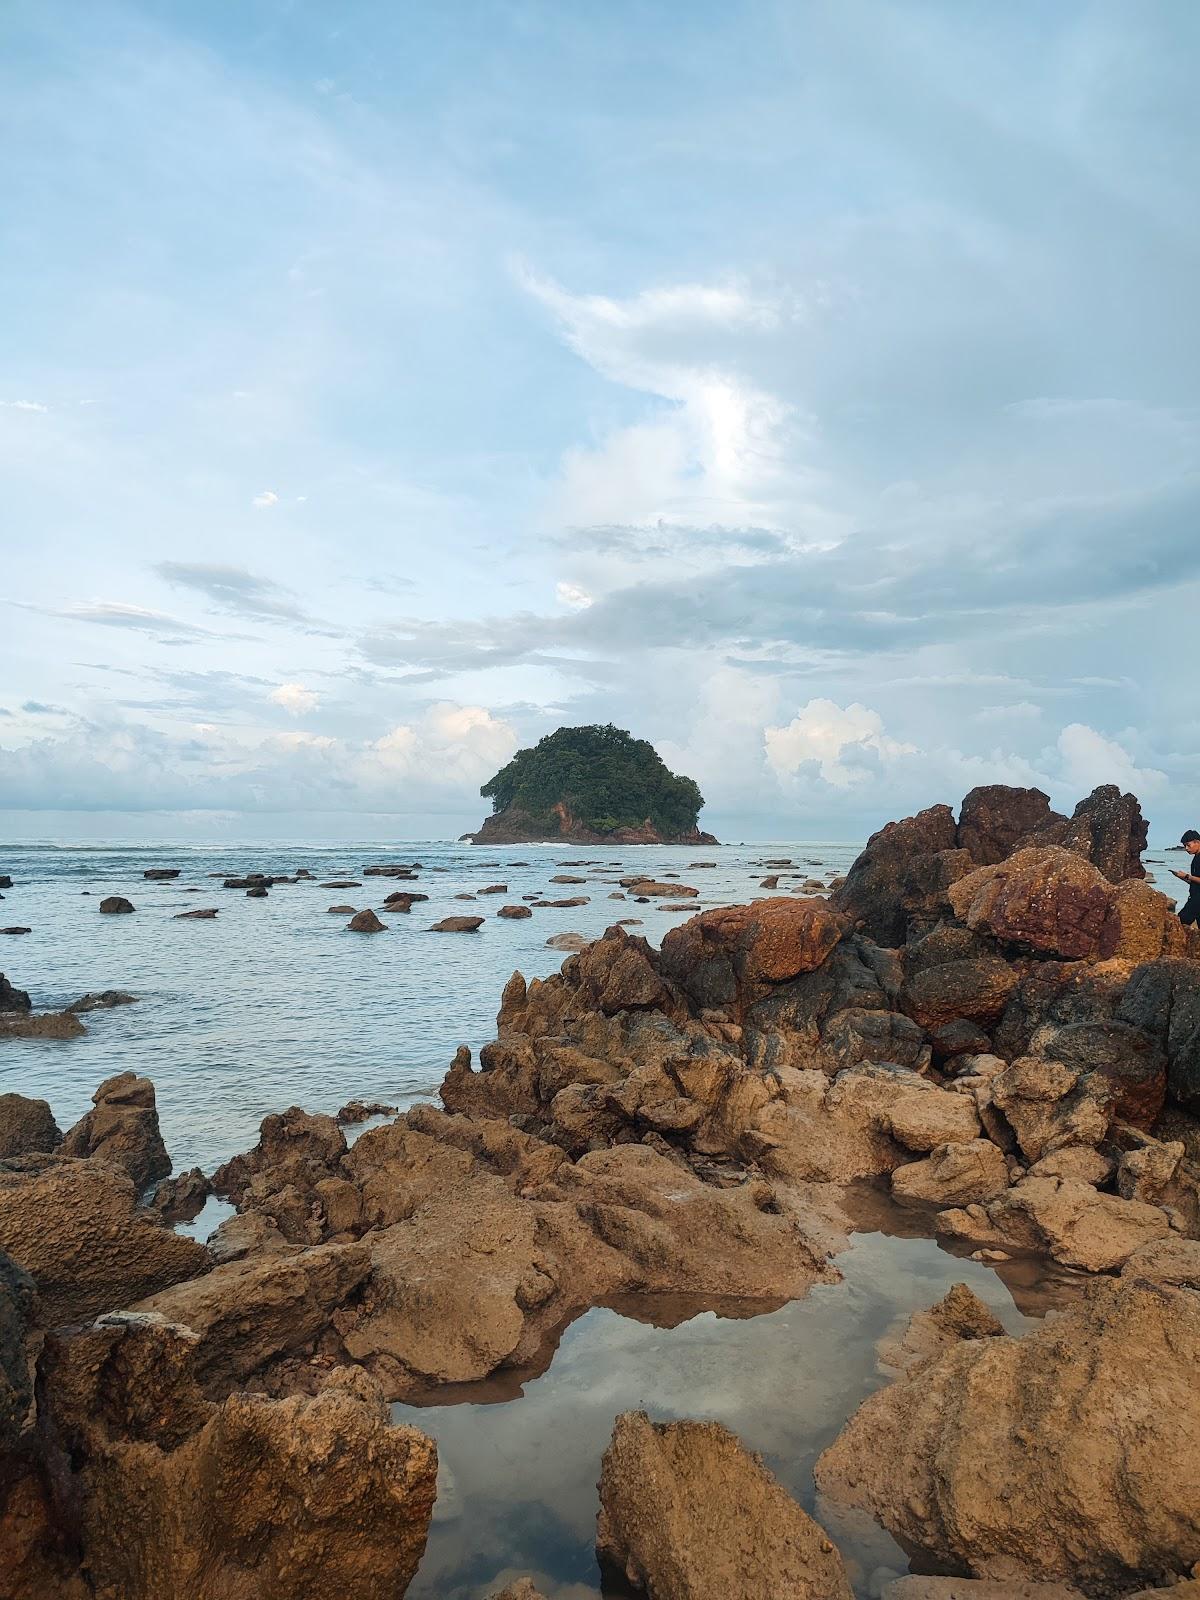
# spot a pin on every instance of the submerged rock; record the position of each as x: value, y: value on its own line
x: 688, y: 1513
x: 102, y: 1000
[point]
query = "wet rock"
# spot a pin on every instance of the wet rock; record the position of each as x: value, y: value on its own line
x: 201, y: 914
x: 122, y: 1129
x: 959, y: 1314
x: 514, y: 913
x: 494, y: 888
x: 664, y: 891
x: 565, y: 905
x: 46, y: 1025
x: 366, y: 922
x: 343, y: 911
x: 1052, y: 902
x: 102, y: 1000
x: 26, y: 1126
x: 12, y: 999
x: 403, y: 900
x: 73, y: 1226
x: 181, y: 1198
x: 19, y: 930
x: 954, y: 1175
x: 160, y: 874
x: 1072, y: 1454
x: 257, y: 892
x: 566, y: 941
x: 115, y: 905
x: 457, y: 925
x: 359, y: 1110
x: 688, y: 1513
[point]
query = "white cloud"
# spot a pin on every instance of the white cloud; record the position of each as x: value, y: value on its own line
x: 295, y: 698
x: 1089, y: 758
x: 824, y: 732
x: 573, y: 595
x: 1018, y: 711
x: 24, y: 405
x: 268, y: 497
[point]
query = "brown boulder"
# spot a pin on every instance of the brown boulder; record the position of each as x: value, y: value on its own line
x: 13, y: 999
x: 954, y: 1175
x: 123, y: 1129
x: 1068, y: 1220
x: 457, y: 925
x: 73, y: 1226
x: 688, y: 1513
x: 366, y: 922
x: 115, y: 905
x: 877, y: 894
x: 514, y: 913
x: 26, y: 1125
x: 734, y: 955
x: 1052, y: 902
x: 996, y: 817
x: 1069, y: 1455
x: 1107, y: 829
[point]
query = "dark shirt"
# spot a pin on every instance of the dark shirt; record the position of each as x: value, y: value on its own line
x: 1193, y: 889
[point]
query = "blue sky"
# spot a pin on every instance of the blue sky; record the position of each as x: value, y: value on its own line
x: 811, y: 388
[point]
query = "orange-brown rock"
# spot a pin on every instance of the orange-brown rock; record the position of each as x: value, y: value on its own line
x: 123, y: 1129
x: 733, y: 955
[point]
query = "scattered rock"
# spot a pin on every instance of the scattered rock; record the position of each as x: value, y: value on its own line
x: 46, y: 1025
x: 13, y: 1000
x: 457, y: 925
x: 115, y: 905
x: 201, y: 914
x: 566, y: 941
x: 366, y: 922
x: 688, y: 1513
x: 359, y: 1110
x: 343, y: 911
x: 102, y: 1000
x: 161, y: 874
x: 514, y: 913
x: 18, y: 930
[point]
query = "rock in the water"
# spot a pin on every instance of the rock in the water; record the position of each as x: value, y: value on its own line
x: 102, y: 1000
x: 46, y: 1025
x: 13, y: 999
x: 457, y: 925
x: 514, y: 913
x: 115, y: 905
x: 954, y: 1174
x: 688, y: 1513
x: 366, y: 922
x: 201, y: 914
x: 122, y: 1129
x: 160, y: 874
x: 19, y: 930
x: 182, y: 1197
x: 1068, y: 1220
x: 26, y: 1125
x: 566, y: 941
x: 1069, y: 1455
x: 73, y: 1227
x: 359, y: 1110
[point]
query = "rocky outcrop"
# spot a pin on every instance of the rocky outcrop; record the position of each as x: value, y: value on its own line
x: 309, y: 1498
x: 1069, y: 1455
x: 1162, y: 998
x: 74, y: 1228
x: 26, y: 1126
x: 13, y: 1000
x: 515, y: 826
x: 122, y: 1129
x: 687, y: 1513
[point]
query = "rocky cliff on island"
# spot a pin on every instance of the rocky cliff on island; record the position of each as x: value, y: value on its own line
x: 593, y: 785
x: 995, y: 1019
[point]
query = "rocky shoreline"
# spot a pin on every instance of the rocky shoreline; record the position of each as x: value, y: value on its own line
x: 994, y: 1016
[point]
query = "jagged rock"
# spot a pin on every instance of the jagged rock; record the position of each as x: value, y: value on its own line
x: 971, y: 991
x: 1163, y: 998
x: 457, y: 925
x: 877, y: 894
x: 954, y: 1175
x: 1052, y: 902
x: 122, y: 1129
x: 1058, y: 992
x: 13, y: 999
x: 734, y: 955
x: 523, y: 1589
x: 1049, y: 1104
x: 403, y: 900
x: 366, y: 922
x: 856, y: 1035
x: 1077, y: 1162
x: 1070, y: 1454
x: 26, y: 1125
x: 1129, y: 1060
x: 254, y: 1498
x: 249, y: 1312
x: 1171, y: 1261
x: 996, y: 817
x: 958, y: 1038
x: 115, y: 905
x: 514, y: 913
x: 1108, y: 829
x: 688, y: 1513
x: 181, y: 1198
x: 959, y: 1314
x: 1144, y: 1173
x: 295, y: 1151
x: 1071, y: 1221
x: 73, y: 1226
x: 18, y: 1308
x: 923, y: 1588
x: 103, y: 1000
x: 359, y: 1110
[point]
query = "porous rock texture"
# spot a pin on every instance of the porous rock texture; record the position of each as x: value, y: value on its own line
x: 688, y: 1513
x: 122, y: 1129
x: 26, y: 1125
x: 1069, y: 1455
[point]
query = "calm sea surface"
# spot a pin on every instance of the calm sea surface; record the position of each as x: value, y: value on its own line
x: 274, y: 1003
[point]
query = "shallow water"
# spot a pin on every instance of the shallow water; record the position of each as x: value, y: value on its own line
x: 517, y: 1492
x: 274, y: 1003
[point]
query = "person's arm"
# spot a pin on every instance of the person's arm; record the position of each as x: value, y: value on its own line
x: 1184, y: 877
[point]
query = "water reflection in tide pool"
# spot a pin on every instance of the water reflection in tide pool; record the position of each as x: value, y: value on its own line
x: 518, y: 1488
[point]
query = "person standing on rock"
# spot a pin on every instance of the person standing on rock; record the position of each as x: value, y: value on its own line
x: 1189, y: 912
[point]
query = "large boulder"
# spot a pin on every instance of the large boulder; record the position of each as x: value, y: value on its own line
x: 26, y: 1125
x: 961, y: 1174
x: 1069, y: 1455
x: 877, y: 894
x: 734, y: 955
x: 295, y: 1149
x: 311, y: 1496
x: 1163, y: 998
x: 1049, y: 901
x: 1064, y: 1218
x: 688, y: 1513
x: 122, y: 1129
x: 13, y: 999
x: 73, y: 1226
x: 996, y: 817
x: 1108, y: 829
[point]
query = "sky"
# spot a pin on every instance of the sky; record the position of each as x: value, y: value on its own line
x: 811, y: 388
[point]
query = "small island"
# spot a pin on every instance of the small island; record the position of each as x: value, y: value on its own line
x: 592, y: 785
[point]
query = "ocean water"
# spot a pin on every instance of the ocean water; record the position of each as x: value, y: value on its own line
x: 274, y: 1003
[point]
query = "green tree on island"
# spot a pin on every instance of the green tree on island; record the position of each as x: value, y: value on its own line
x: 607, y: 779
